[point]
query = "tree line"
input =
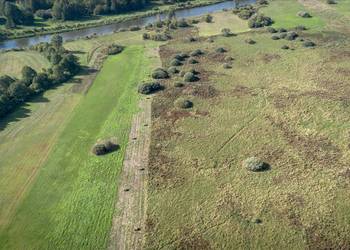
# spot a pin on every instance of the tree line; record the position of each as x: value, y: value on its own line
x: 14, y: 91
x: 23, y: 12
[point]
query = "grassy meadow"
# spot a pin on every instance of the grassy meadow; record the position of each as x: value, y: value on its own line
x: 288, y: 107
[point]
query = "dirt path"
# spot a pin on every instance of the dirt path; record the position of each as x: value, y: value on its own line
x: 128, y: 222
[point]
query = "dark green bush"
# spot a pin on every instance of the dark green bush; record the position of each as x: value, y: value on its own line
x: 250, y: 41
x: 255, y: 164
x: 271, y: 30
x: 179, y: 84
x: 227, y: 66
x: 105, y: 147
x: 226, y: 32
x: 196, y: 52
x: 183, y: 103
x: 309, y: 44
x: 282, y: 30
x: 190, y: 77
x: 149, y: 88
x: 259, y: 20
x: 304, y: 14
x: 173, y: 70
x: 134, y: 28
x: 221, y: 50
x: 285, y: 47
x: 275, y: 37
x: 208, y: 18
x: 175, y: 62
x: 160, y: 74
x: 291, y: 35
x: 192, y: 61
x: 114, y: 49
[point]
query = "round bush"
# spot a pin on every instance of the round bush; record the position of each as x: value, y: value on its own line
x: 173, y: 70
x: 182, y: 73
x: 190, y: 77
x: 229, y: 58
x: 226, y: 32
x: 283, y: 35
x: 282, y: 30
x: 160, y: 74
x: 175, y: 62
x: 259, y: 20
x: 183, y: 103
x: 304, y: 14
x: 291, y: 35
x: 105, y: 147
x: 271, y: 30
x: 250, y: 41
x: 309, y: 44
x: 149, y: 88
x: 192, y: 61
x: 285, y: 47
x: 300, y: 27
x: 196, y: 52
x: 274, y: 37
x: 254, y: 164
x: 210, y: 40
x: 221, y: 50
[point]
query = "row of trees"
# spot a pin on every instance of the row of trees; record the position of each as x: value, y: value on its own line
x: 22, y: 12
x: 15, y: 91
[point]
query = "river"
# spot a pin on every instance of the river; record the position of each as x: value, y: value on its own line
x: 110, y: 28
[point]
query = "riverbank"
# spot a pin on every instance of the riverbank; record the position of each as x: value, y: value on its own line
x: 61, y: 27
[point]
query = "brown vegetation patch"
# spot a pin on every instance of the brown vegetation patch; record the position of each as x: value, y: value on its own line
x: 241, y: 91
x: 166, y: 53
x: 203, y: 91
x: 318, y: 149
x: 189, y: 239
x: 267, y: 58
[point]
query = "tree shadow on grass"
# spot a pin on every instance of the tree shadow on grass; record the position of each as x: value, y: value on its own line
x: 22, y: 111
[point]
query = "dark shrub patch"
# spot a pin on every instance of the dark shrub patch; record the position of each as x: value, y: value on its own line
x: 291, y: 35
x: 254, y: 164
x: 285, y: 47
x: 160, y: 74
x: 114, y: 49
x: 331, y: 2
x: 300, y: 27
x: 191, y: 39
x: 134, y: 28
x: 208, y: 18
x: 149, y: 88
x: 309, y: 44
x: 304, y: 14
x: 271, y: 30
x: 175, y: 62
x: 229, y: 58
x: 192, y: 61
x: 210, y: 40
x: 182, y: 23
x: 226, y: 32
x: 283, y: 35
x: 173, y: 70
x: 259, y: 20
x: 275, y: 37
x: 105, y: 147
x: 183, y: 103
x: 190, y: 77
x: 282, y: 30
x: 221, y: 50
x: 197, y: 52
x: 250, y: 41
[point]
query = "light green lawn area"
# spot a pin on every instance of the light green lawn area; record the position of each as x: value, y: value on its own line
x: 284, y: 14
x: 222, y: 20
x: 11, y: 63
x: 343, y: 7
x: 71, y: 203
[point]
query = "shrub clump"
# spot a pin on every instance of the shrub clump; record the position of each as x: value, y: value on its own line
x: 282, y: 30
x: 259, y: 20
x: 274, y: 37
x: 160, y: 73
x: 149, y: 88
x: 173, y: 70
x: 271, y: 30
x: 245, y: 12
x: 183, y: 103
x: 250, y: 41
x: 229, y: 58
x: 134, y: 28
x: 179, y: 84
x: 114, y: 49
x: 105, y: 147
x: 304, y: 14
x: 291, y: 35
x: 309, y: 44
x: 285, y: 47
x: 208, y: 18
x: 226, y: 32
x: 175, y: 62
x: 283, y: 35
x: 221, y: 50
x: 254, y: 164
x: 190, y: 77
x: 192, y: 61
x: 300, y: 27
x: 196, y: 52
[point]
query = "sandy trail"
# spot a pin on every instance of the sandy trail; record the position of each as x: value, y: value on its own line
x: 128, y: 222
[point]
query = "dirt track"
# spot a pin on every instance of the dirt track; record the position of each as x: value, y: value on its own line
x: 128, y: 222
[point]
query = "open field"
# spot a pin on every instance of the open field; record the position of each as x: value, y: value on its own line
x: 11, y: 63
x: 71, y: 175
x: 288, y: 107
x: 222, y: 20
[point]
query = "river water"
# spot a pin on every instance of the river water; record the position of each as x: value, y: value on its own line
x: 110, y: 28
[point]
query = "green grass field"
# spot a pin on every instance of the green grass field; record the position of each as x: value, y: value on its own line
x: 71, y: 203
